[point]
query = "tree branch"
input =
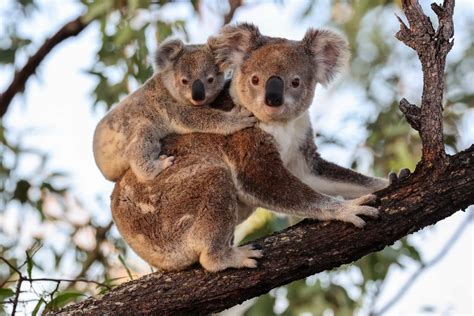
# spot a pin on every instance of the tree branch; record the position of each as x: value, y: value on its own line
x: 432, y: 47
x: 412, y: 113
x: 70, y: 29
x: 299, y: 251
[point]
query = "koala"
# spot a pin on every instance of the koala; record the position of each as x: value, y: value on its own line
x: 188, y: 213
x: 174, y: 100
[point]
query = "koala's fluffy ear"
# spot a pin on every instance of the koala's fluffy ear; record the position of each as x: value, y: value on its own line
x: 167, y: 52
x: 330, y: 53
x: 234, y: 42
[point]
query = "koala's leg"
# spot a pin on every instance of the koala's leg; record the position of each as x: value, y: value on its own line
x: 262, y: 180
x: 144, y: 154
x: 213, y: 229
x: 331, y: 179
x: 335, y: 180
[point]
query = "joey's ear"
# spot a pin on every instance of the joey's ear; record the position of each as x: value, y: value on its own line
x: 329, y: 51
x: 233, y: 43
x: 167, y: 52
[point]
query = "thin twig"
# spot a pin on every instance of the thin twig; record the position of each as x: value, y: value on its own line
x: 233, y: 6
x: 18, y: 285
x: 425, y: 266
x: 94, y: 254
x: 10, y: 265
x: 17, y: 85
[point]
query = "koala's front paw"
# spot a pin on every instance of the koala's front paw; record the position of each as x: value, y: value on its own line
x: 351, y: 209
x: 240, y: 118
x: 403, y: 174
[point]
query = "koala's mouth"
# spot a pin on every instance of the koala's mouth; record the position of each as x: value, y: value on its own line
x: 273, y: 111
x: 198, y: 103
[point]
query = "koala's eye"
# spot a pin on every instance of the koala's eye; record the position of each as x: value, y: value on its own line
x: 184, y: 81
x: 255, y: 80
x: 295, y: 83
x: 210, y: 79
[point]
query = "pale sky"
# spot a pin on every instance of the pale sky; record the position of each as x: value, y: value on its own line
x: 55, y: 116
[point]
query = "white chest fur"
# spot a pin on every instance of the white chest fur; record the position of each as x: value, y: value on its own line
x: 289, y: 136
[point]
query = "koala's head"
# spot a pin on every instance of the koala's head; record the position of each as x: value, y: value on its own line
x: 189, y: 72
x: 275, y: 78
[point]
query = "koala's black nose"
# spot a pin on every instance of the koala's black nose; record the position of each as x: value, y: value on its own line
x: 198, y: 93
x: 274, y: 91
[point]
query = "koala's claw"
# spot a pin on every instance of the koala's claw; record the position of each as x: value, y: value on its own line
x: 402, y: 174
x: 256, y: 247
x: 164, y: 162
x: 246, y: 255
x: 368, y: 199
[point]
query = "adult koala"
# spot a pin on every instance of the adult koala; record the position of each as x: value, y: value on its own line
x: 189, y: 212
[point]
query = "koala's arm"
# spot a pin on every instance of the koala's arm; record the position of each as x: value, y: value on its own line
x: 262, y: 180
x: 189, y: 119
x: 329, y: 178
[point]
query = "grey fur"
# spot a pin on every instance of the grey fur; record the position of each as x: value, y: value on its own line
x: 129, y: 135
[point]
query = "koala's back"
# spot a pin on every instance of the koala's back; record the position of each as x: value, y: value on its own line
x: 116, y: 130
x: 156, y: 218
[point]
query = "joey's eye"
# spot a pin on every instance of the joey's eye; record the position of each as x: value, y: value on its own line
x: 210, y: 79
x: 295, y: 83
x: 255, y: 80
x: 184, y: 81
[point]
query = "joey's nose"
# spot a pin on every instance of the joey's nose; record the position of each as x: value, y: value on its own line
x: 274, y: 91
x: 198, y: 93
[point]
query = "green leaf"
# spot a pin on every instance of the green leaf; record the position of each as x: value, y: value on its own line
x: 5, y: 293
x: 21, y: 191
x: 7, y: 56
x: 122, y: 261
x: 62, y: 299
x: 98, y: 9
x: 29, y: 264
x: 124, y: 35
x: 163, y: 30
x: 37, y: 307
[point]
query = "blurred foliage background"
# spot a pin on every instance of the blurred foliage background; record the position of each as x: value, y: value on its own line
x: 381, y: 72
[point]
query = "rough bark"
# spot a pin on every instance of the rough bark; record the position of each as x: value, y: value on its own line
x: 299, y: 251
x: 432, y: 47
x: 440, y: 186
x: 70, y: 29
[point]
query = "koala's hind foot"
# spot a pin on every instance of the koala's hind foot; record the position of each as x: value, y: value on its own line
x: 148, y: 170
x: 232, y: 257
x: 164, y: 162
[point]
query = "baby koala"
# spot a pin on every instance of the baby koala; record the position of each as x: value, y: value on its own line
x: 173, y: 101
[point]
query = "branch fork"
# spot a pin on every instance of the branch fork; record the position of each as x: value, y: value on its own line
x: 432, y: 47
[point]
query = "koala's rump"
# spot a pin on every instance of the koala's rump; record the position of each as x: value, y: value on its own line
x: 163, y: 219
